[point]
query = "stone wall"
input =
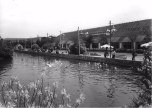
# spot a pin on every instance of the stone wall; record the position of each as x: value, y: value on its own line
x: 118, y: 62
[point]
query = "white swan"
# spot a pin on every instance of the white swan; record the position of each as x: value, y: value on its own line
x: 49, y: 65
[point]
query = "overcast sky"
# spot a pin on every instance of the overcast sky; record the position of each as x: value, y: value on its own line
x: 29, y: 18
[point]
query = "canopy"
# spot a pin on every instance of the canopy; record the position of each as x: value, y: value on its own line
x: 140, y: 38
x: 115, y: 39
x: 106, y: 46
x: 126, y: 39
x: 149, y: 44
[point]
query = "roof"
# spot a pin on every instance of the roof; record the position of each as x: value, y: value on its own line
x: 137, y: 27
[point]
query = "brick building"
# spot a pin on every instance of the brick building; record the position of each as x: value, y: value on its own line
x: 128, y: 35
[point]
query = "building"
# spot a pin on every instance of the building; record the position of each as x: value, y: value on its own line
x: 129, y: 35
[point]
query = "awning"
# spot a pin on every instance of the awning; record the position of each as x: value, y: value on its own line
x: 96, y: 39
x: 140, y: 38
x: 106, y: 46
x: 108, y: 40
x: 70, y: 42
x: 115, y: 39
x: 125, y: 39
x: 63, y: 42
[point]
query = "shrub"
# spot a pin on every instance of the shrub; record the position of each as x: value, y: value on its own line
x: 144, y: 83
x: 129, y: 50
x: 74, y: 49
x: 35, y: 47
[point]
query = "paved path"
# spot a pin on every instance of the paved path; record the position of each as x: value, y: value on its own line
x: 139, y: 57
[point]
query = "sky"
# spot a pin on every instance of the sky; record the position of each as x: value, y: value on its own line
x: 31, y: 18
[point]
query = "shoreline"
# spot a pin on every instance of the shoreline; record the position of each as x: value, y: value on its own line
x: 117, y: 62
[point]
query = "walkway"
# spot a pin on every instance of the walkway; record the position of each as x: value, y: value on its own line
x: 139, y: 57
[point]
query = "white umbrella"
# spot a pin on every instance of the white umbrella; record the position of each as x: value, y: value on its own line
x: 149, y: 44
x: 106, y: 46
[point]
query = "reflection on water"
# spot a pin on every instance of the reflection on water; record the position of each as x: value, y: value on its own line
x: 103, y: 85
x: 5, y: 65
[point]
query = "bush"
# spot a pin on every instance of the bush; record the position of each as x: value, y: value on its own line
x: 129, y: 50
x: 74, y: 49
x: 94, y: 54
x: 144, y: 83
x: 35, y: 47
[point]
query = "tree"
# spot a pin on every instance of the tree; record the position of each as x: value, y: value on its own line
x: 87, y: 39
x: 146, y: 31
x: 45, y: 40
x: 28, y: 44
x: 35, y: 47
x: 74, y: 49
x: 132, y: 36
x: 103, y: 39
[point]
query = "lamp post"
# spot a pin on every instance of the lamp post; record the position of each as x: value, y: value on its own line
x: 60, y: 40
x: 25, y: 43
x: 110, y: 32
x: 31, y: 42
x: 78, y: 42
x: 80, y: 33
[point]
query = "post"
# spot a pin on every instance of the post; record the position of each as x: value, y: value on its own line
x: 120, y: 45
x: 47, y: 35
x: 99, y: 45
x: 90, y: 45
x: 134, y: 45
x: 31, y: 42
x: 110, y: 38
x: 60, y: 40
x: 25, y: 43
x: 78, y: 42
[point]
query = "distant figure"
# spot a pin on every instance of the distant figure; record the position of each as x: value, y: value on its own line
x: 113, y: 54
x: 68, y: 51
x: 57, y: 51
x: 134, y: 54
x: 106, y: 52
x: 47, y: 51
x: 147, y: 54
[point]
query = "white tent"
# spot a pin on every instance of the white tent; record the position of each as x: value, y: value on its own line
x: 149, y: 44
x: 106, y: 46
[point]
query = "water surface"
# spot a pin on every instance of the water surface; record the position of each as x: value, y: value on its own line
x: 102, y: 84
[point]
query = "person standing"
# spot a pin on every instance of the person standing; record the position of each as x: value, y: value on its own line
x: 113, y: 54
x: 147, y: 54
x: 134, y: 54
x: 106, y: 52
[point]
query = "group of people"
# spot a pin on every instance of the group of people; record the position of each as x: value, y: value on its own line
x: 113, y: 53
